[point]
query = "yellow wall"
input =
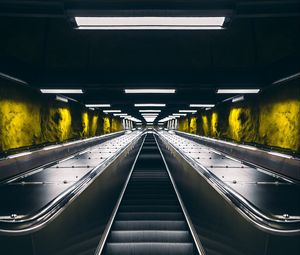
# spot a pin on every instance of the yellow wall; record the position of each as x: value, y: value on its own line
x: 271, y: 118
x: 193, y: 125
x: 280, y: 125
x: 94, y: 125
x: 183, y: 125
x: 28, y: 118
x: 106, y: 125
x: 56, y: 124
x: 20, y: 124
x: 116, y: 125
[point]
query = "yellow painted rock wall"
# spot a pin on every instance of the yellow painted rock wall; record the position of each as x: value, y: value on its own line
x: 193, y: 125
x: 29, y: 118
x: 56, y: 124
x: 271, y: 118
x: 183, y: 125
x: 20, y: 124
x: 116, y: 125
x: 106, y: 125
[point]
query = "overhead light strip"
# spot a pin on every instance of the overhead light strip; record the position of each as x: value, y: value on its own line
x: 150, y: 91
x: 202, y: 105
x: 149, y: 105
x: 112, y: 111
x: 98, y: 105
x: 149, y: 111
x: 61, y: 91
x: 187, y: 111
x: 150, y: 22
x: 62, y: 99
x: 238, y: 91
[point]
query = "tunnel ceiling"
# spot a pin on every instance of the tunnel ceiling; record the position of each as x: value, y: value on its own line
x: 260, y: 45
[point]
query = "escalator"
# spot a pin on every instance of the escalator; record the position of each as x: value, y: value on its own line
x: 150, y: 218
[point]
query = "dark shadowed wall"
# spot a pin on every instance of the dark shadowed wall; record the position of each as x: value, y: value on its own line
x: 29, y: 118
x: 271, y: 118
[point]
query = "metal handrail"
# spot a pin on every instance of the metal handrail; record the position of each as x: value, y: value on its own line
x: 31, y: 223
x: 244, y: 207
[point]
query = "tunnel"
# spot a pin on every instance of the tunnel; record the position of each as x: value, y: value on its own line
x: 150, y: 127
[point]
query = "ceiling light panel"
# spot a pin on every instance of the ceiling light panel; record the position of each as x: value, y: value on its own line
x: 98, y: 105
x: 238, y: 91
x: 187, y: 111
x: 150, y: 91
x: 111, y: 111
x: 149, y: 105
x: 61, y: 91
x: 202, y: 105
x: 150, y: 22
x: 149, y: 111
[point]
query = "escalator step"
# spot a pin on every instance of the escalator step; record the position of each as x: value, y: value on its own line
x: 150, y: 236
x: 149, y: 225
x: 150, y: 216
x: 149, y: 208
x: 149, y: 248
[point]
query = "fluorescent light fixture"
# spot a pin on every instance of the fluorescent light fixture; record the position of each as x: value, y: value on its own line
x: 188, y: 111
x: 150, y: 114
x: 149, y: 105
x: 288, y: 78
x: 97, y: 105
x: 179, y: 114
x: 8, y: 77
x: 61, y: 91
x: 202, y: 105
x: 238, y: 91
x: 120, y: 114
x: 149, y: 123
x: 61, y: 99
x: 150, y: 91
x: 93, y: 109
x: 111, y: 111
x: 207, y: 109
x: 237, y: 99
x: 150, y: 22
x: 149, y: 110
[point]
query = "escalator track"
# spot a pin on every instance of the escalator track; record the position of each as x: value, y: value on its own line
x: 150, y: 218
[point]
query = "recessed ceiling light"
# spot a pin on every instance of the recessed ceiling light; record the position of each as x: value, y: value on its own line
x: 61, y: 91
x: 150, y: 91
x: 150, y: 114
x: 237, y: 99
x: 120, y: 114
x: 179, y: 114
x: 149, y: 110
x: 237, y: 91
x: 202, y: 105
x: 149, y: 105
x: 97, y: 105
x: 61, y: 99
x: 188, y: 111
x: 111, y: 111
x: 151, y: 22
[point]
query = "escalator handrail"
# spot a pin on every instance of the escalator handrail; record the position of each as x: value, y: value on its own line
x: 240, y: 204
x: 31, y: 223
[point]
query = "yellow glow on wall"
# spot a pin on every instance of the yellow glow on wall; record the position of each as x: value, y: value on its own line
x: 205, y: 125
x: 20, y: 124
x: 94, y: 125
x: 116, y: 125
x: 85, y: 124
x: 193, y: 125
x: 57, y: 125
x: 214, y: 125
x: 106, y: 125
x: 183, y: 125
x: 241, y: 124
x: 280, y: 124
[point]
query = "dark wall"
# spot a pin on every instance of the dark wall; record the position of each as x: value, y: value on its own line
x: 270, y: 118
x: 29, y: 118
